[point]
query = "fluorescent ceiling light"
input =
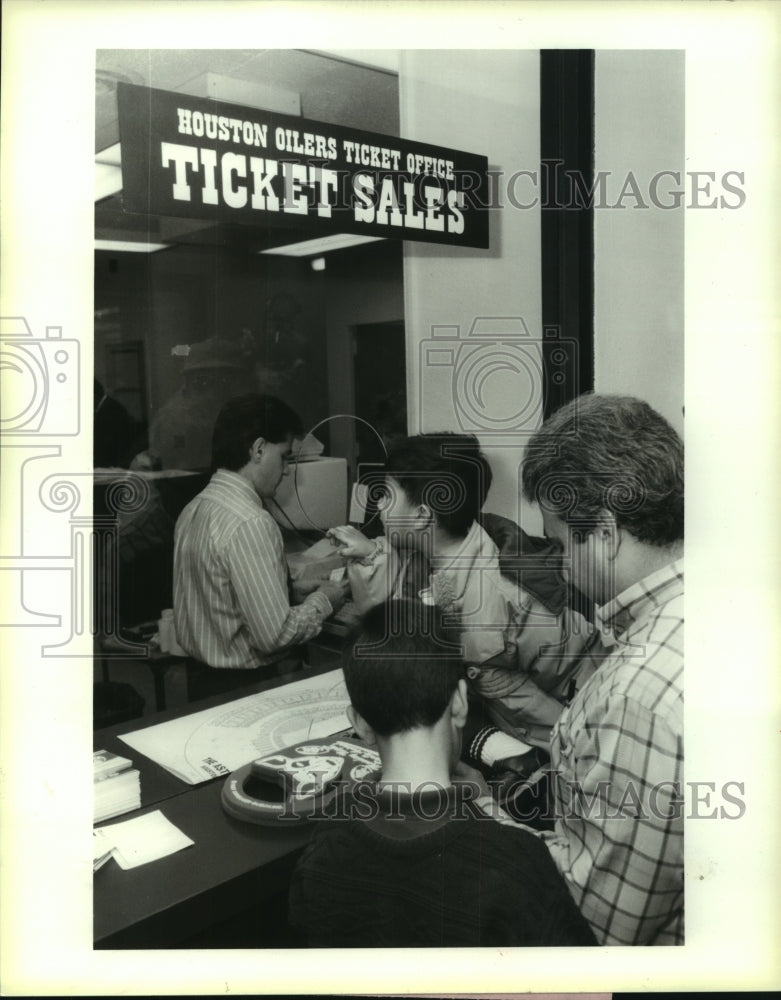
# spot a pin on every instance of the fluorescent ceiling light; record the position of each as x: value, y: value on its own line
x: 111, y: 154
x: 108, y: 172
x: 108, y: 180
x: 121, y: 246
x: 340, y: 241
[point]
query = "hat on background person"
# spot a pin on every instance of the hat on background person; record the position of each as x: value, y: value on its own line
x: 214, y: 352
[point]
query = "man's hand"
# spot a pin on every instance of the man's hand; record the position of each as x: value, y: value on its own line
x: 336, y: 593
x: 512, y: 773
x: 302, y: 588
x: 525, y: 764
x: 350, y: 542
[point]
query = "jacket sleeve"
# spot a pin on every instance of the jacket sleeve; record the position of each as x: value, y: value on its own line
x: 548, y: 658
x: 554, y: 650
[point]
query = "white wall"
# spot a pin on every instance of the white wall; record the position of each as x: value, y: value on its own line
x: 486, y: 103
x: 639, y: 263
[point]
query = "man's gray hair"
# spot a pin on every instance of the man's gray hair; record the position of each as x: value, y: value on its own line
x: 609, y: 453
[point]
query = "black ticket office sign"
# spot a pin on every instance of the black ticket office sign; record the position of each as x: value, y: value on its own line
x: 200, y: 158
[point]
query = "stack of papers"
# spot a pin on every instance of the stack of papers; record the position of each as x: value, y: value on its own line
x: 117, y: 785
x: 137, y: 841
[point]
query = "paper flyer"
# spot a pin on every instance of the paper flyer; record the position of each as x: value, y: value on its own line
x: 219, y: 740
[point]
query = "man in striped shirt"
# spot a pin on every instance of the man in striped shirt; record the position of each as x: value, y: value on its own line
x: 231, y: 601
x: 607, y: 472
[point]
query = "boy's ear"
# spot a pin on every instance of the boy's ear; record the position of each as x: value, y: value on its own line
x: 361, y: 726
x: 459, y: 705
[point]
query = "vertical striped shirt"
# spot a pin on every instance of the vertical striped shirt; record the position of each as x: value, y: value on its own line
x: 618, y: 754
x: 231, y: 603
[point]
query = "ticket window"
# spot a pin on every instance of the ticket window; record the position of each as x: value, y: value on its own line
x: 205, y: 314
x: 189, y: 314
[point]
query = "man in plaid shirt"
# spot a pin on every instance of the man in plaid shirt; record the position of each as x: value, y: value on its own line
x: 607, y: 472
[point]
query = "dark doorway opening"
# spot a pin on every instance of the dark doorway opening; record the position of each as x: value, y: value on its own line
x: 380, y: 387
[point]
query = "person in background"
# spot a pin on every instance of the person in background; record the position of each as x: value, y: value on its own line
x: 524, y: 661
x: 231, y: 601
x: 214, y: 371
x: 421, y: 856
x: 114, y: 431
x: 607, y: 472
x: 145, y: 532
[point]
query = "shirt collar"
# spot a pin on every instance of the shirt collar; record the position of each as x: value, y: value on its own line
x: 406, y: 813
x: 457, y: 570
x: 462, y: 584
x: 637, y: 601
x: 236, y: 484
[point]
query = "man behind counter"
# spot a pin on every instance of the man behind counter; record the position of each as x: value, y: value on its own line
x: 231, y: 602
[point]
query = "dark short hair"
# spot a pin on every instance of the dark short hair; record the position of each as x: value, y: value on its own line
x: 609, y: 453
x: 447, y: 472
x: 243, y: 420
x: 403, y: 667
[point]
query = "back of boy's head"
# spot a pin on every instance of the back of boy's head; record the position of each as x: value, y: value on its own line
x: 446, y: 472
x: 402, y: 669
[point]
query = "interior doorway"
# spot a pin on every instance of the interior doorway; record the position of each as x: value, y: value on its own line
x: 380, y: 374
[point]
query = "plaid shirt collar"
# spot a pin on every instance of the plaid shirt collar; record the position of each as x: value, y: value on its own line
x: 638, y: 601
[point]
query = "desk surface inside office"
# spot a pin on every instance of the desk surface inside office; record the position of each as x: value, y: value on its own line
x: 231, y: 865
